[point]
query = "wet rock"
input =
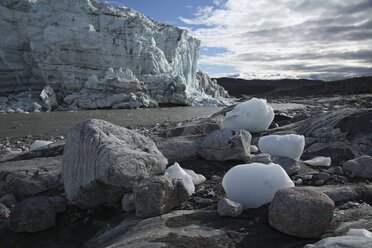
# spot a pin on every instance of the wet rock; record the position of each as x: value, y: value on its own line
x: 8, y: 200
x: 359, y: 167
x: 227, y: 207
x: 342, y: 241
x: 128, y: 202
x: 323, y: 176
x: 158, y: 195
x: 32, y: 215
x: 101, y: 161
x: 4, y: 211
x: 301, y: 212
x: 222, y: 145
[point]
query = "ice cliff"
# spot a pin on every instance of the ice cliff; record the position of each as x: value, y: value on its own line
x: 94, y: 55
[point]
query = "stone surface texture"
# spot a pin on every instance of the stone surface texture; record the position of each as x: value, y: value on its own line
x: 224, y: 144
x: 102, y: 161
x: 227, y: 207
x: 301, y: 212
x: 158, y: 195
x: 359, y: 167
x: 92, y: 55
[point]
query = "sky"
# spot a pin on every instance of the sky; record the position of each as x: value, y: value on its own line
x: 266, y: 39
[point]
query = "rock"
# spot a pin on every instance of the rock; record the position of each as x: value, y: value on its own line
x: 289, y: 165
x: 323, y: 176
x: 359, y: 167
x: 290, y: 145
x: 342, y: 241
x: 227, y: 207
x: 179, y: 148
x: 169, y: 230
x: 253, y: 116
x: 8, y: 200
x: 59, y: 203
x: 32, y: 215
x: 340, y: 193
x: 203, y: 126
x: 122, y: 55
x: 158, y: 195
x: 128, y: 202
x: 254, y: 149
x: 4, y: 211
x: 26, y: 178
x: 101, y: 161
x: 301, y: 212
x: 222, y: 145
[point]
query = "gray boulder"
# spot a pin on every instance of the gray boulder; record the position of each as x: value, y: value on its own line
x: 300, y: 212
x: 32, y: 215
x: 102, y: 161
x: 342, y: 242
x: 158, y: 195
x: 222, y: 145
x: 227, y: 207
x: 359, y: 167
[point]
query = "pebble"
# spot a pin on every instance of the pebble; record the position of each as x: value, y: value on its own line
x: 298, y: 181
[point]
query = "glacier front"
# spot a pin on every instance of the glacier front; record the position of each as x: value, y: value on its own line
x: 94, y: 55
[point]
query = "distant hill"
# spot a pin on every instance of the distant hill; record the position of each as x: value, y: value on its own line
x: 295, y: 87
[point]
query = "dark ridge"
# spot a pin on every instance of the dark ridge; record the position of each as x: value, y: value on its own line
x: 295, y: 87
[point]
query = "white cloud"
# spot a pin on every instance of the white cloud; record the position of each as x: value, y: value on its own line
x: 295, y: 38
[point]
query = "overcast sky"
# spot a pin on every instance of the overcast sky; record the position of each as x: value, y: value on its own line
x: 315, y: 39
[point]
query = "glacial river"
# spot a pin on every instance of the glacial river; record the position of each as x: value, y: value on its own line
x: 58, y: 123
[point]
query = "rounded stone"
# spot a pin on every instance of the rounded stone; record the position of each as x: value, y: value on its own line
x: 301, y: 212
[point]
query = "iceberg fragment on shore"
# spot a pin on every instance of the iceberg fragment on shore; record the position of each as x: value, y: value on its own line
x: 290, y: 145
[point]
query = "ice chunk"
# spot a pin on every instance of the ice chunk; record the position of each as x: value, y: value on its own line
x: 196, y: 178
x: 290, y: 145
x: 360, y: 233
x: 254, y: 149
x: 38, y: 144
x: 176, y: 171
x: 255, y: 184
x: 319, y: 161
x: 253, y: 116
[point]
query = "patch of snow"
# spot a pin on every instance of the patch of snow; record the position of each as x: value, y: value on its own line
x: 188, y: 176
x: 253, y: 116
x: 359, y: 232
x: 255, y: 184
x: 196, y: 178
x: 319, y: 161
x: 38, y: 144
x: 290, y: 145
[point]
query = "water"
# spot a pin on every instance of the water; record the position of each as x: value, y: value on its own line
x: 58, y: 123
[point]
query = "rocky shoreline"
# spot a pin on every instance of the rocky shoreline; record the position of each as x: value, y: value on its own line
x: 337, y: 129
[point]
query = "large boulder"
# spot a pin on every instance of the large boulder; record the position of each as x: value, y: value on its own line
x: 359, y: 167
x: 32, y: 215
x: 226, y: 144
x: 158, y: 195
x: 301, y: 212
x: 102, y: 161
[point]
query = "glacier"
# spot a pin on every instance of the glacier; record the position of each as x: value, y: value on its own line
x: 94, y: 55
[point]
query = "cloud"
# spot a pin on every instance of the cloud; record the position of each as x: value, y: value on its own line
x: 294, y: 38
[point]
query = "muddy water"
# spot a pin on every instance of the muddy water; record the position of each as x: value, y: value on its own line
x: 58, y: 123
